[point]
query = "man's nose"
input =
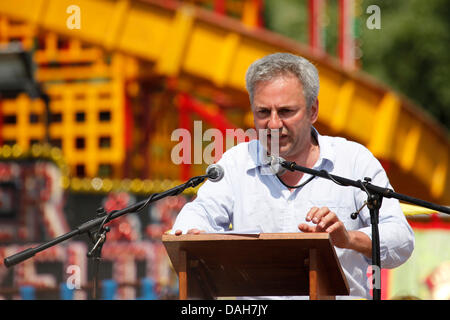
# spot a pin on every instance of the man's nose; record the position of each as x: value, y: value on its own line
x: 274, y: 121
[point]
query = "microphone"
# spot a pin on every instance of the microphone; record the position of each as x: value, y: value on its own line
x: 215, y: 172
x: 276, y: 165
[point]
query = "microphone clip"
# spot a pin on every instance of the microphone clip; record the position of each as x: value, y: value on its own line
x: 354, y: 215
x: 193, y: 182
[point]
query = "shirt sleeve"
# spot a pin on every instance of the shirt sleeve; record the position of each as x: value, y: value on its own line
x: 212, y: 209
x: 396, y: 235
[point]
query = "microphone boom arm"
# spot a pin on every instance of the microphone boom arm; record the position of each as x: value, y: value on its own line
x: 89, y: 225
x: 375, y: 196
x: 385, y: 192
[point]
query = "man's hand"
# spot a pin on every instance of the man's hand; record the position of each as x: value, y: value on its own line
x: 190, y: 231
x: 327, y: 221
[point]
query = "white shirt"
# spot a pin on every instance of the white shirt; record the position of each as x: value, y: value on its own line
x: 250, y: 198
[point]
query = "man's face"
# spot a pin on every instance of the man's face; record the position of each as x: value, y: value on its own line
x: 279, y: 106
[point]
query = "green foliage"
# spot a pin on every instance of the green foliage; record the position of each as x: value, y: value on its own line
x: 287, y: 17
x: 410, y: 53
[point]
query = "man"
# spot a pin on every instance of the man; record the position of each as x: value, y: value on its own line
x: 283, y: 90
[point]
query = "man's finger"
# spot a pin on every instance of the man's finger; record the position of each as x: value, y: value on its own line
x: 311, y: 213
x: 195, y: 231
x: 306, y: 227
x: 322, y: 212
x: 333, y: 227
x: 327, y: 220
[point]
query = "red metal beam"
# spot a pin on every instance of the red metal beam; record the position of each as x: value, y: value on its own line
x: 315, y: 8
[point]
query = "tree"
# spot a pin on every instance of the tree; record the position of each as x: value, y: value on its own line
x: 408, y: 53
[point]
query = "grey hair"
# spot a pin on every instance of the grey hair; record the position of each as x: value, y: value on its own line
x: 282, y: 64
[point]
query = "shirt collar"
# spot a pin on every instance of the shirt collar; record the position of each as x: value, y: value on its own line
x: 258, y: 156
x: 327, y: 152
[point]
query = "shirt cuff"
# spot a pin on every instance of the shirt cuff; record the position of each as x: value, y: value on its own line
x: 367, y: 231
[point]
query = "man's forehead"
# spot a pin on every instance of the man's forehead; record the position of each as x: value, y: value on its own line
x: 277, y: 106
x: 280, y: 95
x: 283, y: 77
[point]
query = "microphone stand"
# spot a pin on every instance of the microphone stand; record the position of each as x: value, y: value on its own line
x: 375, y: 196
x: 98, y: 237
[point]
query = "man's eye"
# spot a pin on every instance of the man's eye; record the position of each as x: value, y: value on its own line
x: 263, y: 111
x: 285, y: 111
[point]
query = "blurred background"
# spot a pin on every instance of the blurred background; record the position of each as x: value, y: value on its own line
x: 92, y: 90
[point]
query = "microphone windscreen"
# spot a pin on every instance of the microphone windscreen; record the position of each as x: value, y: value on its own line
x: 275, y: 165
x: 215, y: 172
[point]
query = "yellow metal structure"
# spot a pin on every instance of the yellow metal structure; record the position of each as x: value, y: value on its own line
x: 413, y: 210
x: 85, y: 114
x: 89, y: 112
x: 18, y: 129
x: 82, y: 112
x: 194, y: 44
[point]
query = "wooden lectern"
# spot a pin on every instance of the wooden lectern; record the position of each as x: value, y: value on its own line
x: 267, y: 264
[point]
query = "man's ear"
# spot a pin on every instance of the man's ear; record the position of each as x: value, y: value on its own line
x: 314, y: 112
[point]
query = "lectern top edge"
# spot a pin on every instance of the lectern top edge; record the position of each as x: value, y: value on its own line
x: 237, y: 236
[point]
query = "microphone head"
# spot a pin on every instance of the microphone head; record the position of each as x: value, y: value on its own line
x: 275, y: 165
x: 215, y: 172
